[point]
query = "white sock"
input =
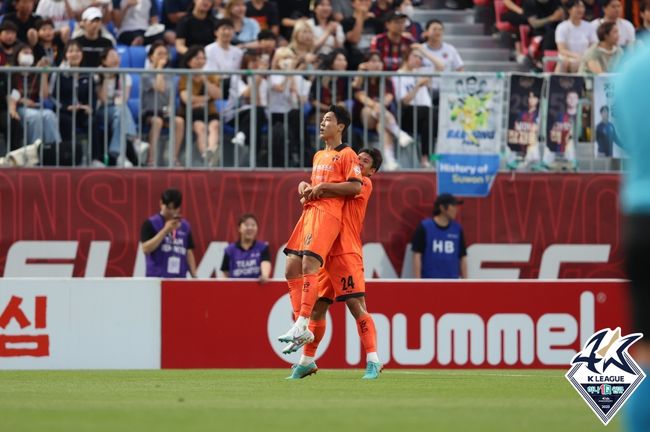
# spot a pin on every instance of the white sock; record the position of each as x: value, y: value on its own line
x: 372, y: 357
x: 302, y: 322
x: 305, y: 360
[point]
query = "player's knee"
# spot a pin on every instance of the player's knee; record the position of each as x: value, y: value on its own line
x: 310, y: 265
x: 292, y: 269
x: 356, y: 307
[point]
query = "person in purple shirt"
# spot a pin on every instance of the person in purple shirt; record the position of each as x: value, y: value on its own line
x: 167, y: 240
x: 248, y: 257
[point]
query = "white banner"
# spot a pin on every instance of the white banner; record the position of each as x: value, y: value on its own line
x: 471, y: 113
x: 604, y: 118
x: 80, y: 324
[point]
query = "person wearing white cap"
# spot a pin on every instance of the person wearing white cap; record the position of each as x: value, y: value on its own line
x: 76, y: 9
x: 91, y: 40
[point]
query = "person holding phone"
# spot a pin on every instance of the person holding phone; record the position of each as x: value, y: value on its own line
x: 167, y: 241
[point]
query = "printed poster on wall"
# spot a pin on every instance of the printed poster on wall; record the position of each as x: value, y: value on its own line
x: 606, y: 143
x: 469, y: 133
x: 523, y: 147
x: 568, y: 120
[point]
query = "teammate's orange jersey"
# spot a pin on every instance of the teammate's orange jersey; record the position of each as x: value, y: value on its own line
x: 334, y: 166
x: 354, y: 213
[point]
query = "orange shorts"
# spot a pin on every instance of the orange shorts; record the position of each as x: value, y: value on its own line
x: 342, y: 278
x: 314, y: 234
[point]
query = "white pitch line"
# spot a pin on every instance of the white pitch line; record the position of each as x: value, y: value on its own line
x: 393, y: 371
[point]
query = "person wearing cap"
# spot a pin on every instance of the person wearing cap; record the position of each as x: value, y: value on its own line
x: 91, y: 40
x: 393, y: 43
x: 438, y: 244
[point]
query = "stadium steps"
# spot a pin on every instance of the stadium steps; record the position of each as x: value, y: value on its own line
x: 494, y: 66
x: 423, y: 14
x: 477, y: 54
x: 463, y: 29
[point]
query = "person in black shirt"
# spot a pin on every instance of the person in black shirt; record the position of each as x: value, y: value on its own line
x: 173, y: 11
x: 290, y: 12
x: 544, y: 16
x: 49, y: 44
x: 25, y: 20
x: 359, y: 30
x: 92, y: 41
x: 196, y: 28
x: 265, y: 13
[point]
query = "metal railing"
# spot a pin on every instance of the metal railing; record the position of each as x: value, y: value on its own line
x: 252, y: 132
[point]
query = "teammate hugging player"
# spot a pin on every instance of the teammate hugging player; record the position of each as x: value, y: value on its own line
x: 336, y: 174
x: 343, y: 279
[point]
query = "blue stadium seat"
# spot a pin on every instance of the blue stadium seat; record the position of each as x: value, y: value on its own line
x: 159, y: 5
x: 125, y: 58
x: 138, y: 56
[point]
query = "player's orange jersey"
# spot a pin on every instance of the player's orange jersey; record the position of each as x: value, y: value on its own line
x: 334, y: 166
x: 354, y: 213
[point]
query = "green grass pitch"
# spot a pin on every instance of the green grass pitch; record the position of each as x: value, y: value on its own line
x: 261, y: 400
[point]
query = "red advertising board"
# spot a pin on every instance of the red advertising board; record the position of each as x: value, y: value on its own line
x: 87, y: 222
x: 514, y: 324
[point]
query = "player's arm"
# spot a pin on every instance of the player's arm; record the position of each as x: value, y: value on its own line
x: 150, y: 239
x: 463, y: 267
x: 418, y: 246
x: 417, y: 265
x: 265, y: 266
x: 328, y: 190
x: 191, y: 259
x: 463, y: 255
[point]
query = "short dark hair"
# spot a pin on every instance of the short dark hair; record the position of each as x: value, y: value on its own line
x: 8, y: 25
x: 328, y: 59
x: 266, y: 35
x: 223, y: 22
x: 604, y: 108
x: 154, y: 46
x: 375, y: 155
x: 243, y: 218
x: 604, y: 30
x: 606, y: 3
x: 191, y: 52
x: 72, y: 43
x: 572, y: 3
x: 43, y: 22
x: 645, y: 5
x: 342, y: 115
x: 434, y: 21
x: 172, y: 196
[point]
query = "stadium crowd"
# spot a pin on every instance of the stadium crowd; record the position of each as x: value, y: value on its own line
x: 57, y: 108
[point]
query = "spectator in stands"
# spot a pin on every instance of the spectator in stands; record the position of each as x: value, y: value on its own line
x: 106, y: 13
x: 221, y: 55
x: 292, y: 11
x: 246, y: 29
x: 157, y: 96
x: 265, y: 13
x: 50, y: 45
x: 613, y: 10
x: 201, y: 92
x: 114, y: 115
x: 342, y: 9
x: 392, y: 44
x: 442, y: 50
x: 286, y: 96
x: 55, y: 10
x: 368, y: 106
x: 413, y: 93
x: 302, y: 45
x: 25, y: 19
x: 74, y: 94
x: 439, y: 250
x: 644, y: 27
x: 247, y: 257
x: 133, y: 18
x: 382, y: 8
x: 573, y: 37
x: 601, y: 57
x: 267, y: 42
x: 238, y: 112
x: 173, y: 11
x: 91, y: 40
x: 197, y: 27
x: 8, y: 42
x: 25, y: 100
x: 167, y: 241
x: 593, y: 10
x: 412, y: 28
x: 328, y: 34
x: 333, y: 90
x: 359, y: 30
x: 544, y: 16
x: 514, y: 14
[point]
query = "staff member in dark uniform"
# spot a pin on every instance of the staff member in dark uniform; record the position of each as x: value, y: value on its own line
x: 438, y: 244
x: 248, y: 257
x: 167, y: 240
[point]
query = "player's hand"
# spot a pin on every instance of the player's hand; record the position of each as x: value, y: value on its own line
x: 302, y: 187
x: 172, y: 224
x: 262, y: 280
x: 316, y: 192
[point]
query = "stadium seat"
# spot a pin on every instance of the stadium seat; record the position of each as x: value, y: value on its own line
x: 500, y: 9
x: 138, y: 56
x: 481, y: 2
x: 524, y: 37
x: 125, y: 59
x: 550, y: 61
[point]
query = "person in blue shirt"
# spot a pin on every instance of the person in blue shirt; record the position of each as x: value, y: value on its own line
x: 632, y: 101
x: 248, y: 257
x: 605, y: 133
x: 438, y: 244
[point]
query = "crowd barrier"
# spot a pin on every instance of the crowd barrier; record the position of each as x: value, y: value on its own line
x: 280, y: 129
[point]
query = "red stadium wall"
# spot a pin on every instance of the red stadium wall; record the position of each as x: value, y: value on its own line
x: 515, y: 324
x: 98, y: 213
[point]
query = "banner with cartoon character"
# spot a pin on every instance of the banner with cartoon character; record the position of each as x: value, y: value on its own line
x: 607, y: 142
x: 522, y: 140
x: 469, y: 133
x: 568, y: 119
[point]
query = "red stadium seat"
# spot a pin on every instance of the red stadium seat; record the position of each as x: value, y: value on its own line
x: 550, y: 61
x: 482, y: 2
x: 524, y: 37
x: 500, y: 9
